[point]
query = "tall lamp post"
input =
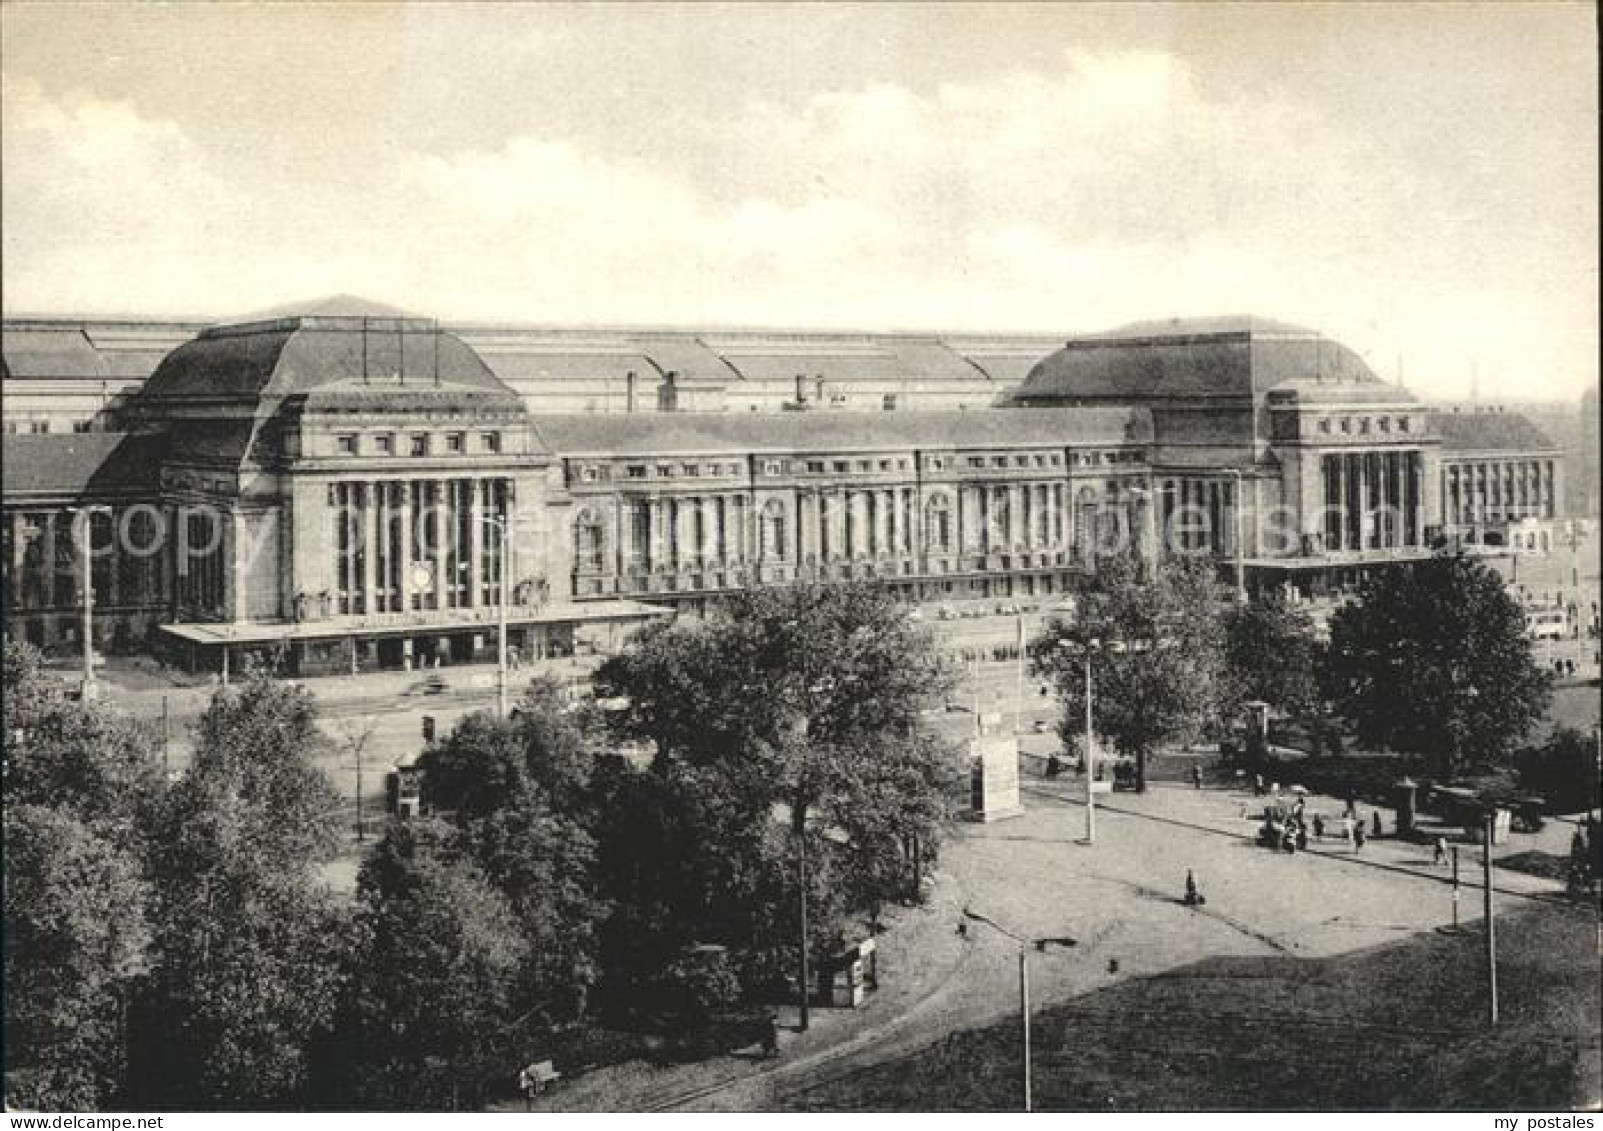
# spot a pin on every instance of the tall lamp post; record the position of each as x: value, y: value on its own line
x: 1024, y: 984
x: 505, y: 543
x: 1235, y: 522
x: 85, y: 536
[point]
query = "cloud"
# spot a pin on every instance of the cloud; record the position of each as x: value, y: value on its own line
x: 1107, y: 189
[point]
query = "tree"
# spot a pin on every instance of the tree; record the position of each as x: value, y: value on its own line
x: 1563, y: 770
x: 248, y: 940
x: 519, y: 791
x: 1434, y: 660
x: 88, y: 757
x: 76, y: 939
x: 1158, y: 659
x: 786, y: 701
x: 434, y: 977
x: 486, y: 764
x: 1272, y: 655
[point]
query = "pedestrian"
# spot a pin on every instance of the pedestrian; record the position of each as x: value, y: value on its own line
x: 1319, y: 827
x: 1439, y: 853
x: 1196, y: 776
x: 1347, y: 830
x: 1193, y: 897
x: 771, y: 1035
x: 1358, y: 836
x: 1257, y: 785
x: 1379, y: 828
x: 1352, y: 804
x: 1302, y: 836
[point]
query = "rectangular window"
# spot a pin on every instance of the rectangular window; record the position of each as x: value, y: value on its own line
x: 588, y: 475
x: 692, y: 470
x: 40, y: 428
x: 843, y: 465
x: 82, y: 425
x: 347, y: 444
x: 490, y: 441
x: 664, y: 471
x: 772, y: 467
x: 884, y: 465
x: 420, y: 444
x: 454, y: 443
x: 976, y: 461
x: 636, y: 471
x: 385, y: 445
x: 816, y: 466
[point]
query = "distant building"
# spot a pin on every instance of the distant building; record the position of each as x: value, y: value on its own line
x: 350, y: 487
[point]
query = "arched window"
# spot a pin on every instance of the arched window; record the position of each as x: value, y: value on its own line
x: 773, y: 530
x: 938, y: 524
x: 589, y: 541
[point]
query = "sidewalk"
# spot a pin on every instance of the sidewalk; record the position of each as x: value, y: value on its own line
x: 1237, y: 813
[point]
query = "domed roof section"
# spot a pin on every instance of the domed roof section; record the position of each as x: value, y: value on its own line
x: 321, y: 347
x: 1195, y: 358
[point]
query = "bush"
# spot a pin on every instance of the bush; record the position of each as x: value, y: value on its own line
x: 1563, y: 771
x: 694, y: 987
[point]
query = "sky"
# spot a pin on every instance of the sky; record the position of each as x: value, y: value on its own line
x: 1418, y: 181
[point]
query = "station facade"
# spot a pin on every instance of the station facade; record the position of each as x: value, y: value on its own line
x: 358, y: 489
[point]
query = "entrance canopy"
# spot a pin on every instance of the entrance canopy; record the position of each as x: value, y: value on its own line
x: 410, y: 624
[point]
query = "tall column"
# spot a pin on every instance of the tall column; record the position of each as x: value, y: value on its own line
x: 369, y: 547
x: 474, y: 542
x: 48, y: 559
x: 408, y: 543
x: 970, y: 517
x: 437, y: 515
x: 1015, y: 516
x: 709, y: 530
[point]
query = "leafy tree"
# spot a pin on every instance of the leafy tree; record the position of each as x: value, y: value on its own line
x: 88, y: 757
x: 434, y: 976
x: 248, y: 939
x: 1433, y: 660
x: 76, y: 940
x: 1563, y: 770
x: 485, y: 763
x: 1272, y: 655
x: 24, y: 688
x: 1158, y: 667
x: 520, y: 792
x: 792, y: 702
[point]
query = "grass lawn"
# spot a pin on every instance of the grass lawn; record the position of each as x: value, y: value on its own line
x: 1402, y: 1026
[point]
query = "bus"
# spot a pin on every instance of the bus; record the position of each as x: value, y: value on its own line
x: 1545, y: 623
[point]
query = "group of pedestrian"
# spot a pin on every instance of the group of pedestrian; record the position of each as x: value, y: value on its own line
x: 1289, y: 829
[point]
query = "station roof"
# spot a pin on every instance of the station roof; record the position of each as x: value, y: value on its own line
x: 1192, y: 358
x: 647, y: 434
x: 79, y: 464
x: 1489, y: 432
x: 300, y: 354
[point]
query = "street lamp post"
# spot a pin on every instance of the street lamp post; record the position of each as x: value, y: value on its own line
x: 1024, y: 985
x: 88, y: 688
x: 1235, y: 520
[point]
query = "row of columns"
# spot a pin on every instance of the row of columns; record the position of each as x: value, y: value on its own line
x: 1198, y: 514
x: 682, y: 532
x: 1003, y: 518
x: 387, y: 527
x: 44, y: 564
x: 1498, y: 490
x: 1373, y: 500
